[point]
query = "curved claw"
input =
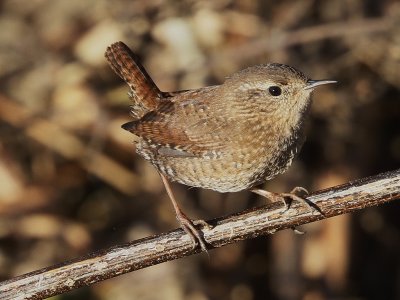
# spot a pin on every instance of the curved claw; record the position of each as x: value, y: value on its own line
x: 299, y: 190
x: 298, y: 231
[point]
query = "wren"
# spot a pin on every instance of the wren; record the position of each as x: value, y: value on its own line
x: 228, y: 138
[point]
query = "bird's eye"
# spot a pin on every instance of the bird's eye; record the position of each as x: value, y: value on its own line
x: 275, y: 90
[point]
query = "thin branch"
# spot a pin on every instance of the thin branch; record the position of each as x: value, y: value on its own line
x: 176, y: 244
x: 284, y: 39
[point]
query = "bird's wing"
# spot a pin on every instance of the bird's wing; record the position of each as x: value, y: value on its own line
x: 192, y: 126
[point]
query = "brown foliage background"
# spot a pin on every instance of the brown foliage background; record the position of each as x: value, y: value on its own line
x: 71, y: 183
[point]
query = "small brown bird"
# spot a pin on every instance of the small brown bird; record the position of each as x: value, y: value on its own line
x: 228, y: 138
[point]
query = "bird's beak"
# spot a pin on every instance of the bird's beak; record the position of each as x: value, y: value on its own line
x: 311, y: 84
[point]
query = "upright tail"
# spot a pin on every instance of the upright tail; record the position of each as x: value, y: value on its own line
x: 144, y: 93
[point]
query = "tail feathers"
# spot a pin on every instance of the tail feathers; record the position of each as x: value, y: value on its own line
x: 144, y: 92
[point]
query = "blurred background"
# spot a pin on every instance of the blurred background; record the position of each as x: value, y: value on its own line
x: 71, y: 183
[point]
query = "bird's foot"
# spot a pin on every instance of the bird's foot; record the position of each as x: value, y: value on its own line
x: 296, y: 194
x: 188, y: 225
x: 202, y: 224
x: 195, y: 234
x: 298, y: 231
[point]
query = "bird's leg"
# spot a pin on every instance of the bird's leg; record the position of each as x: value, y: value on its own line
x: 186, y: 224
x: 287, y: 198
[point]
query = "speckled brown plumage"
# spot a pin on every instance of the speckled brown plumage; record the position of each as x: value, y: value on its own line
x: 227, y: 138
